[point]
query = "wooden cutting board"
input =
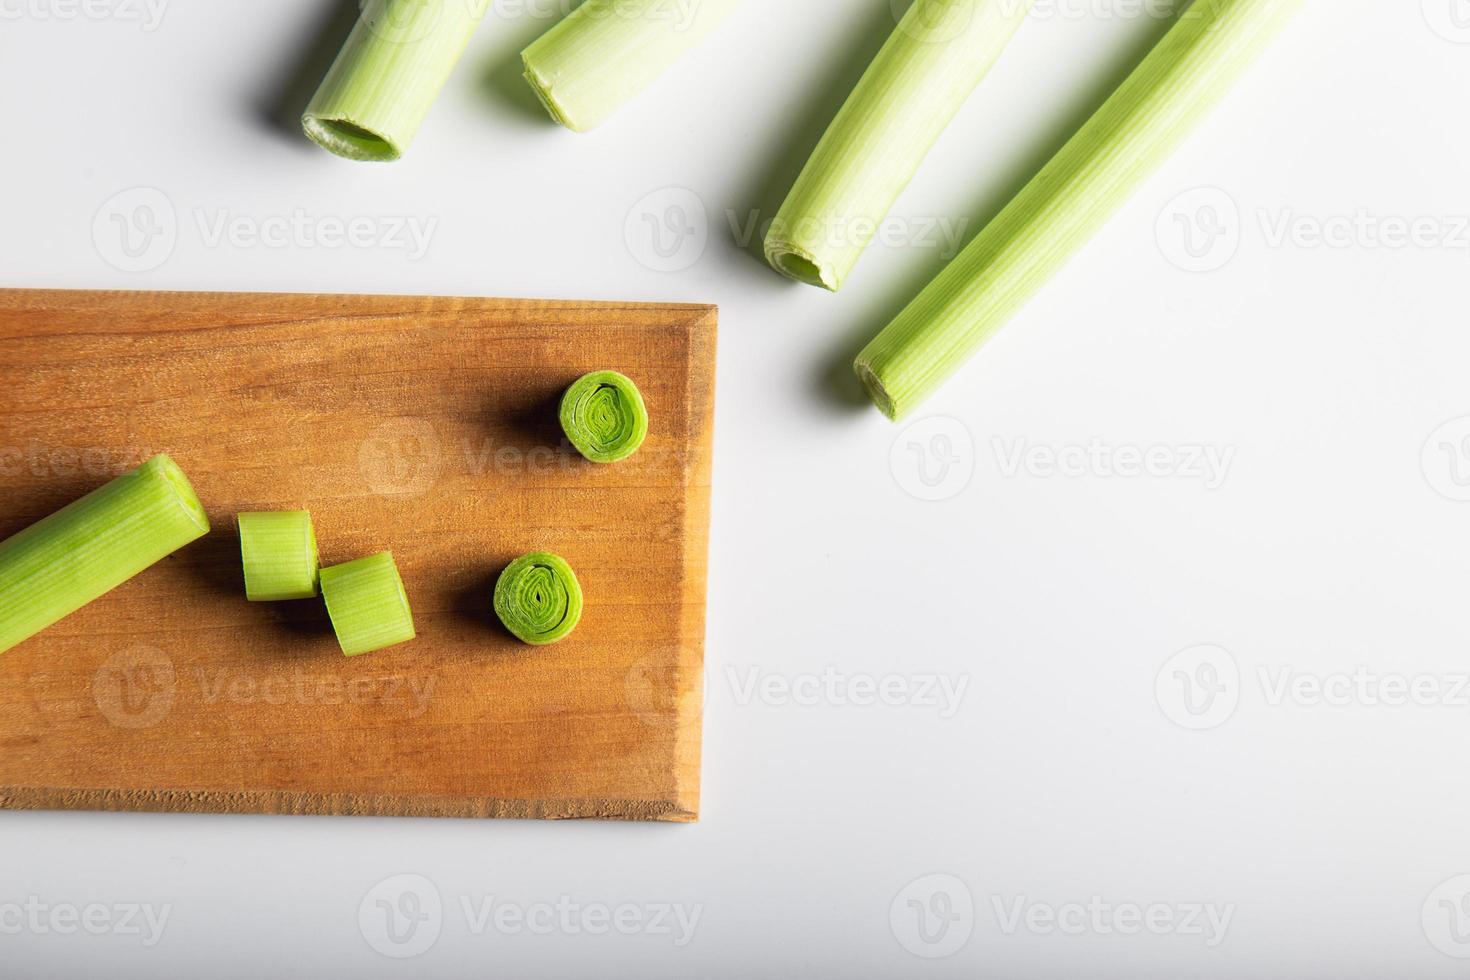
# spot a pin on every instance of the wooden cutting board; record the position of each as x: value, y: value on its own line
x: 424, y: 426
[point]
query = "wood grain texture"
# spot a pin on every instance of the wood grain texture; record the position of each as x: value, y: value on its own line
x: 426, y: 426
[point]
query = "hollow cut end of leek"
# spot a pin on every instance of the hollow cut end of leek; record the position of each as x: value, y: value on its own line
x: 795, y: 262
x: 876, y: 389
x: 349, y: 139
x: 542, y: 87
x: 188, y: 501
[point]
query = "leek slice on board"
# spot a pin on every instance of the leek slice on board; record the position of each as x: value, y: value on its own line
x: 278, y: 550
x: 367, y: 604
x: 604, y: 416
x: 1060, y: 210
x: 539, y: 599
x: 85, y: 550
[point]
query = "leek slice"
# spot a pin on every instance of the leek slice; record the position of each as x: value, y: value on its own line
x: 278, y: 550
x: 604, y: 416
x: 936, y: 57
x: 606, y: 52
x: 392, y: 68
x: 1074, y: 195
x: 539, y: 599
x: 87, y: 549
x: 367, y: 604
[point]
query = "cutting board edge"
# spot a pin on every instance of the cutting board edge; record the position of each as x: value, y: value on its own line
x: 94, y: 299
x: 291, y: 803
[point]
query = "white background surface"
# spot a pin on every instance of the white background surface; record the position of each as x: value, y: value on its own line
x: 1331, y: 834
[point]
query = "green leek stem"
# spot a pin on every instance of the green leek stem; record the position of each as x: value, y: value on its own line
x: 392, y: 68
x: 87, y: 549
x: 939, y: 53
x: 1069, y: 201
x: 606, y: 52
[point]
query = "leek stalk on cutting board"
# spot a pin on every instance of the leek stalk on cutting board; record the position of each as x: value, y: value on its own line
x: 87, y: 549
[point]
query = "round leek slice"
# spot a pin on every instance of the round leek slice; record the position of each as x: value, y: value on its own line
x: 280, y: 556
x: 604, y: 416
x: 368, y: 604
x: 539, y: 599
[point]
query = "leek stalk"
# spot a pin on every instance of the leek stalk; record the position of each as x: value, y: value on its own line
x: 87, y: 549
x: 938, y: 54
x: 1070, y: 200
x: 392, y: 68
x: 606, y: 52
